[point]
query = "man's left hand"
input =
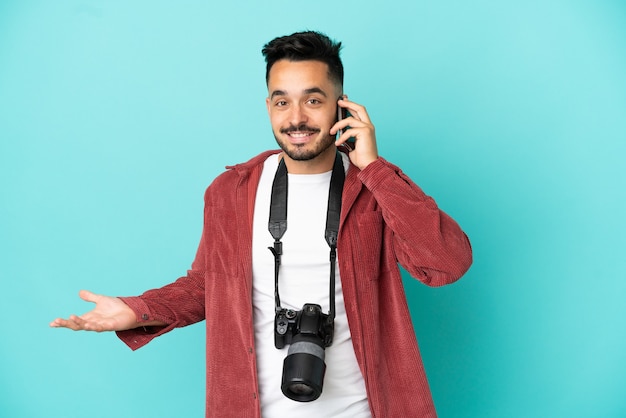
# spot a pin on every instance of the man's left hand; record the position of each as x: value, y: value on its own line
x: 363, y: 150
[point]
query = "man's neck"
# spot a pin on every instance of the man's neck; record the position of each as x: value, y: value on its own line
x: 320, y: 164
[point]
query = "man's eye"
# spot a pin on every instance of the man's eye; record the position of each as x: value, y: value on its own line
x: 314, y: 101
x: 281, y: 103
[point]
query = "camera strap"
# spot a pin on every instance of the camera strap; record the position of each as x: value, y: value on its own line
x: 278, y: 222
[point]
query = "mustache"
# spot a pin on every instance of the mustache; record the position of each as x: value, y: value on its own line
x: 300, y: 128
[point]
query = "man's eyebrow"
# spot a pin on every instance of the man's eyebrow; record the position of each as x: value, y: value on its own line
x: 305, y: 91
x: 315, y: 90
x: 278, y: 93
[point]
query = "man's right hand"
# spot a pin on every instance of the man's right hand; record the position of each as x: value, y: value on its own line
x: 110, y: 314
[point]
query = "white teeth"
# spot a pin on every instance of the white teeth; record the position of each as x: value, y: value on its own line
x: 299, y: 134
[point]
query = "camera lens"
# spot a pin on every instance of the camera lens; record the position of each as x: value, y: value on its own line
x: 300, y: 389
x: 304, y: 369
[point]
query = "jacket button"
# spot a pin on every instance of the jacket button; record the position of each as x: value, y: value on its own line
x: 145, y: 317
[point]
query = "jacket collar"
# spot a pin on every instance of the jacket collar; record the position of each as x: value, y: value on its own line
x: 352, y: 185
x: 244, y: 168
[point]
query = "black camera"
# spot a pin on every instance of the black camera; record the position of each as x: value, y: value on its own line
x: 309, y: 332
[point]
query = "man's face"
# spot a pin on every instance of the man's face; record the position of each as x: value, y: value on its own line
x: 302, y: 106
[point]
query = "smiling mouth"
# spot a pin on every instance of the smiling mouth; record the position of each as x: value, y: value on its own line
x: 300, y: 138
x: 300, y: 134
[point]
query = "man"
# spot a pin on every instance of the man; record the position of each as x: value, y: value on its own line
x: 373, y: 366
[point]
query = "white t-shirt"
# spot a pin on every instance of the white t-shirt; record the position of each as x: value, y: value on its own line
x: 304, y: 278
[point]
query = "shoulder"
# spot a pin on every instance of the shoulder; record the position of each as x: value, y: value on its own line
x: 236, y: 175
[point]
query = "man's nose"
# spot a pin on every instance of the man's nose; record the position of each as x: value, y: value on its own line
x: 298, y: 115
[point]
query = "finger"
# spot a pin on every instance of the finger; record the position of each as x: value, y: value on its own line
x: 88, y: 296
x: 356, y: 110
x: 77, y: 322
x: 349, y: 137
x: 357, y: 129
x: 341, y: 125
x: 347, y: 104
x: 60, y: 323
x: 348, y: 146
x: 85, y: 323
x: 345, y: 137
x: 349, y: 123
x: 65, y: 323
x: 57, y: 323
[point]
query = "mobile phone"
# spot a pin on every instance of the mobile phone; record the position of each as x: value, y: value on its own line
x: 342, y: 113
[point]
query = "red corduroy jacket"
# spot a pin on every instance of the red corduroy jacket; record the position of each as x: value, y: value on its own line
x: 386, y: 219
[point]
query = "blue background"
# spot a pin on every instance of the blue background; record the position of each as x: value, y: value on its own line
x: 115, y: 116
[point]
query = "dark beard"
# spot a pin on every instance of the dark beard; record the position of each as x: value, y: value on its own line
x: 300, y: 152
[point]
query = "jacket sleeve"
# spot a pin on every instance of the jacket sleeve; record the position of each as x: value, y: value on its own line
x: 428, y: 243
x: 177, y: 304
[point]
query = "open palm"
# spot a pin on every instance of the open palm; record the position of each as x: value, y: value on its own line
x: 109, y: 314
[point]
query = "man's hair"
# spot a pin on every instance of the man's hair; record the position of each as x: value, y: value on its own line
x: 305, y: 46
